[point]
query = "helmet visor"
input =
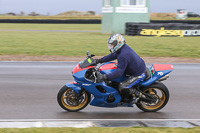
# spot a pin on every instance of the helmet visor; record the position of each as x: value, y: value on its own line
x: 110, y: 46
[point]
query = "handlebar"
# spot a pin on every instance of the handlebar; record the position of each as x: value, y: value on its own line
x: 89, y: 56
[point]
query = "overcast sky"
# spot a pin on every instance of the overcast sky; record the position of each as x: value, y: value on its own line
x: 54, y: 7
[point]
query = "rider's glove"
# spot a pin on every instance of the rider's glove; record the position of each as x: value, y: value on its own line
x: 97, y: 61
x: 101, y: 77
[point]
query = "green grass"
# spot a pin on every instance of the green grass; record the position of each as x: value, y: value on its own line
x: 22, y: 26
x: 77, y: 43
x: 172, y: 18
x: 101, y: 130
x: 193, y: 18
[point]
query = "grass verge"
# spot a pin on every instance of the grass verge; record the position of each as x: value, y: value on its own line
x: 102, y: 130
x: 77, y: 43
x: 21, y: 26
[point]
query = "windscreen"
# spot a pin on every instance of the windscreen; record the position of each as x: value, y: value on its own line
x: 87, y: 62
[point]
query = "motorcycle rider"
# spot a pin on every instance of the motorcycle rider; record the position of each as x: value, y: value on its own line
x: 128, y: 62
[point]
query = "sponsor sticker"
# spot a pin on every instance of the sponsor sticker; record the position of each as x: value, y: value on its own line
x: 163, y: 32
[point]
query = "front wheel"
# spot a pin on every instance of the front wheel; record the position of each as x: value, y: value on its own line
x: 69, y: 100
x: 160, y: 94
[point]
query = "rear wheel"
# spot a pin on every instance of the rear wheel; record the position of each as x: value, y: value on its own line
x: 160, y: 94
x: 69, y: 100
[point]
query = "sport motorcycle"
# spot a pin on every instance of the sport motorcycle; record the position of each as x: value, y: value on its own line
x: 86, y: 89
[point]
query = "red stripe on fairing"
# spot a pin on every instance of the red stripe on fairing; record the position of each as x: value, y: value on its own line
x: 77, y: 68
x: 74, y: 83
x: 108, y: 67
x: 162, y: 67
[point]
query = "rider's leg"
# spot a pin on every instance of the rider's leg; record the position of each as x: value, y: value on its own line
x: 126, y: 88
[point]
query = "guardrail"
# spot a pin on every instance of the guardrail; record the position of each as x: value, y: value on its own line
x: 176, y: 21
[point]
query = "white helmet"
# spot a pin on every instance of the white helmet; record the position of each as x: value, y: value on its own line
x: 115, y: 42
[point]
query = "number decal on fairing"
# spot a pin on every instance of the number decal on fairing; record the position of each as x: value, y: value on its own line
x: 160, y: 73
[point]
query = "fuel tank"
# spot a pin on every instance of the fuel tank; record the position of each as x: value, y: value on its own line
x: 110, y: 67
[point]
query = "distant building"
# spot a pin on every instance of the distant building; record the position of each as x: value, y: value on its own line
x: 181, y: 14
x: 116, y: 13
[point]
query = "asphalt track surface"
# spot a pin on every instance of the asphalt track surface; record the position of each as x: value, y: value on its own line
x: 28, y: 90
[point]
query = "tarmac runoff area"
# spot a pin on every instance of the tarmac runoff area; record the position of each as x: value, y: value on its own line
x: 86, y: 123
x: 49, y: 75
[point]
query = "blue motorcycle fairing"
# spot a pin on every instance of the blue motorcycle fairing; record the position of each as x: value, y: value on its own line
x: 99, y: 97
x: 100, y: 102
x: 80, y: 76
x: 157, y: 75
x: 74, y: 86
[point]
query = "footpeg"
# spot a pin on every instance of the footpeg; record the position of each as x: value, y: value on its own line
x: 136, y: 93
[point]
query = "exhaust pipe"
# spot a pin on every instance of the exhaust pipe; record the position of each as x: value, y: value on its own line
x: 164, y: 78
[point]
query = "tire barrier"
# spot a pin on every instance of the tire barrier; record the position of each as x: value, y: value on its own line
x: 89, y: 21
x: 176, y: 21
x: 50, y: 21
x: 86, y: 21
x: 162, y: 29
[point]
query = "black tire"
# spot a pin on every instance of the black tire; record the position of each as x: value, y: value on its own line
x: 67, y: 97
x: 162, y: 100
